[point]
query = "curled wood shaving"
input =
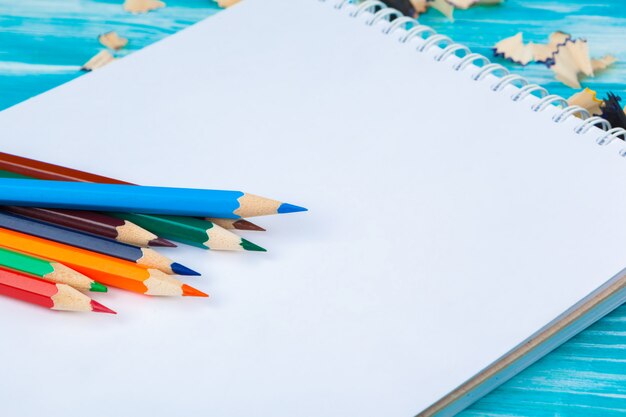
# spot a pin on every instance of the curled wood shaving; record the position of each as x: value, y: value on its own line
x: 613, y: 111
x: 444, y: 7
x: 420, y: 6
x: 514, y: 49
x: 142, y: 6
x: 227, y: 3
x: 98, y: 61
x: 112, y: 40
x: 587, y: 99
x: 600, y: 64
x: 545, y: 52
x: 570, y: 60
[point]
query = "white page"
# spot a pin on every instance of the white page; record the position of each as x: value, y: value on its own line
x: 446, y: 224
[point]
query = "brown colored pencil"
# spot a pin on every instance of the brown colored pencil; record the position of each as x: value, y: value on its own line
x: 27, y: 167
x: 238, y: 224
x: 94, y: 223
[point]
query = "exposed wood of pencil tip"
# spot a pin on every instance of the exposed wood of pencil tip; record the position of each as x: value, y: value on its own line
x: 251, y: 205
x: 237, y: 224
x: 161, y: 284
x: 65, y: 275
x: 154, y: 260
x: 219, y: 238
x: 70, y: 299
x: 135, y: 235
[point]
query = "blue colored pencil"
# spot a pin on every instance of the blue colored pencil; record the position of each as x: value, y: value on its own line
x: 138, y: 199
x: 145, y: 257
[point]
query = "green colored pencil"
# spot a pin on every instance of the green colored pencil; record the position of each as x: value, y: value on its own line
x: 48, y: 270
x: 190, y: 230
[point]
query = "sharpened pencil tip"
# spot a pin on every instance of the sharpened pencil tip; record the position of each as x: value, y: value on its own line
x: 162, y: 243
x: 247, y: 245
x: 192, y: 292
x: 99, y: 308
x: 289, y: 208
x: 97, y: 287
x: 243, y: 224
x: 182, y: 269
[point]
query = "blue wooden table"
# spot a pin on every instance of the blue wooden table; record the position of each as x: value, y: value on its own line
x: 43, y: 43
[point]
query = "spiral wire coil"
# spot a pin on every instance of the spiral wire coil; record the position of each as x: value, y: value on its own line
x: 380, y: 11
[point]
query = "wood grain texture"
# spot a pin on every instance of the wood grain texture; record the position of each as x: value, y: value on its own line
x: 584, y: 377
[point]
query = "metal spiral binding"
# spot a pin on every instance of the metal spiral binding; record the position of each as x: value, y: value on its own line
x: 381, y: 12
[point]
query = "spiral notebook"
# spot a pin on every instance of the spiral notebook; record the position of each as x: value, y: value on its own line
x: 462, y: 224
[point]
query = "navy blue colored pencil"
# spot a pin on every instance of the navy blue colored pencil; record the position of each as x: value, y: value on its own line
x: 138, y: 199
x: 146, y: 257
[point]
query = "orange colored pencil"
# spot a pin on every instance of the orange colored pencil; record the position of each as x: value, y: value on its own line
x: 102, y: 268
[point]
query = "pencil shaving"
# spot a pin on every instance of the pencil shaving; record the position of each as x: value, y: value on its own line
x: 112, y: 40
x: 444, y: 7
x: 227, y: 3
x: 514, y: 49
x: 586, y: 99
x: 420, y: 6
x: 545, y: 52
x: 99, y: 60
x: 599, y: 64
x: 142, y: 6
x: 570, y: 60
x: 613, y: 111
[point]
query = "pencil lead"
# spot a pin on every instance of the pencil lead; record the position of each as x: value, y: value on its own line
x: 99, y: 308
x: 162, y: 243
x: 97, y: 287
x: 243, y: 224
x: 247, y: 245
x: 189, y: 291
x: 182, y: 269
x: 290, y: 208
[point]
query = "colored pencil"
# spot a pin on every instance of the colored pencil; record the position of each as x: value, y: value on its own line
x: 142, y: 256
x: 46, y: 171
x: 138, y: 199
x: 192, y: 231
x: 239, y: 224
x: 97, y: 224
x: 90, y: 222
x: 48, y: 270
x: 251, y: 205
x: 105, y: 269
x: 47, y: 294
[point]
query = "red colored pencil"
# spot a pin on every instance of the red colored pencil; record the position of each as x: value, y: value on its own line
x: 47, y: 294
